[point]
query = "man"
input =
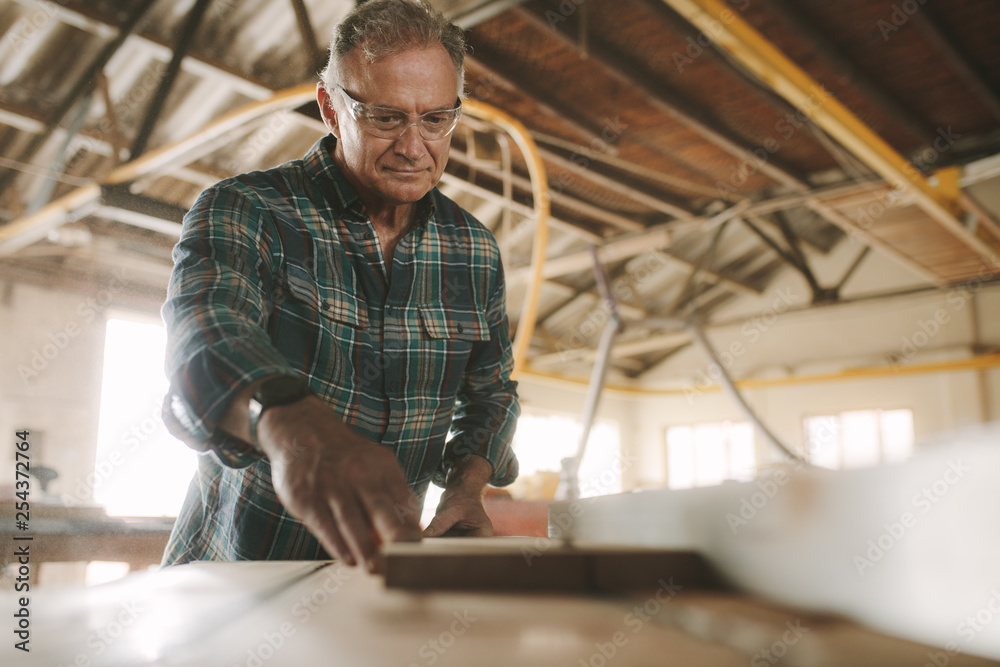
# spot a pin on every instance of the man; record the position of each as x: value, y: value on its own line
x: 332, y: 319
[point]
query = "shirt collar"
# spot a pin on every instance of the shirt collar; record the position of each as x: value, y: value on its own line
x: 340, y: 193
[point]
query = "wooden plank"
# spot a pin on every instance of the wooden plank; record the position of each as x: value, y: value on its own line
x: 539, y: 564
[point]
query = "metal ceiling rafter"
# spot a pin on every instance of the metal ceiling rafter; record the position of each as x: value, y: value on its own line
x: 190, y: 28
x: 84, y: 200
x: 308, y: 34
x: 82, y: 86
x: 87, y: 17
x: 753, y: 51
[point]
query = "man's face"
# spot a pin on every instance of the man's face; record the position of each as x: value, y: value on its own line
x: 392, y: 171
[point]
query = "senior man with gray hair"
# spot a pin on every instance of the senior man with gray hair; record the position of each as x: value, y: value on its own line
x: 337, y: 327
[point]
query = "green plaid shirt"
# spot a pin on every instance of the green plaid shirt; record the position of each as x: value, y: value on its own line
x: 280, y: 272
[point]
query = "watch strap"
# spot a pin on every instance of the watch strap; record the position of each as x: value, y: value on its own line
x: 274, y: 391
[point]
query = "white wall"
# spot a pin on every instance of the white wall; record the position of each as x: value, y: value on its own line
x: 899, y: 334
x: 52, y: 347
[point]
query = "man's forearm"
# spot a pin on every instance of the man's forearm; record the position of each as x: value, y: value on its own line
x: 469, y: 476
x: 236, y: 420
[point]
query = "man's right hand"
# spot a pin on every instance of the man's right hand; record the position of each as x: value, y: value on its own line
x: 343, y: 487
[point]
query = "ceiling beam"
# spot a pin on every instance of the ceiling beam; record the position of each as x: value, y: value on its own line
x: 519, y: 208
x: 484, y: 11
x: 87, y: 17
x: 612, y: 250
x: 950, y: 48
x: 83, y: 85
x: 665, y: 100
x: 567, y: 201
x: 617, y: 184
x: 184, y: 39
x: 29, y: 229
x: 316, y: 57
x: 789, y: 80
x: 650, y: 343
x: 488, y: 67
x: 808, y: 31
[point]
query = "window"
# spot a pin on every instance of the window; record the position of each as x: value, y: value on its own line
x: 140, y: 470
x: 708, y: 454
x: 859, y: 438
x: 542, y: 441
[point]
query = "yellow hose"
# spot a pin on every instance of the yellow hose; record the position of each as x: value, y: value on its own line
x: 540, y: 196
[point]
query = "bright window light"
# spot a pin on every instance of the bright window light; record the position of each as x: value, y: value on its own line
x: 543, y: 441
x: 859, y: 438
x: 709, y: 454
x: 141, y: 470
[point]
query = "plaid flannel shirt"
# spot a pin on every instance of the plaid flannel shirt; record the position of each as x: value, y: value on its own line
x: 280, y: 272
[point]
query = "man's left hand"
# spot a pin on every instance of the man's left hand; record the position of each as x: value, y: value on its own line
x: 460, y: 515
x: 460, y: 512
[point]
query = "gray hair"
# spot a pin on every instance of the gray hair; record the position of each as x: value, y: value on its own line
x: 385, y: 27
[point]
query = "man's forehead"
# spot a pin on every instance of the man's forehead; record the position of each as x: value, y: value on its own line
x: 430, y: 66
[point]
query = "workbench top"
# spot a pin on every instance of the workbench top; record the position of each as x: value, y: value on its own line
x: 278, y: 614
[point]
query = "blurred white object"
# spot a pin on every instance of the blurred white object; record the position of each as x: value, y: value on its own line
x: 911, y: 549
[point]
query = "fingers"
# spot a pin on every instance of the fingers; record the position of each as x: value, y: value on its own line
x: 323, y: 525
x: 356, y: 528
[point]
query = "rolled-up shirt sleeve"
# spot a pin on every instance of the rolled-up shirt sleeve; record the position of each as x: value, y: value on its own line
x: 216, y: 316
x: 487, y: 407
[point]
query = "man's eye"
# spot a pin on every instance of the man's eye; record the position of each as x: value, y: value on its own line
x: 436, y: 119
x: 384, y: 119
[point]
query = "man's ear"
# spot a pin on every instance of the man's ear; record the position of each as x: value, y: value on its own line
x: 326, y: 110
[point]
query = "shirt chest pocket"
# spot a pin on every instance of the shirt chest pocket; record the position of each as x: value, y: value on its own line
x: 448, y: 336
x: 322, y: 323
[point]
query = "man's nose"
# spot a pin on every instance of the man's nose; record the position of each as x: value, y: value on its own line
x: 410, y: 144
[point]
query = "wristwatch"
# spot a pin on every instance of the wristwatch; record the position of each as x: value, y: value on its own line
x: 275, y: 390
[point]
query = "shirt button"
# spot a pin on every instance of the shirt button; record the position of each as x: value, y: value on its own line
x: 369, y: 236
x: 460, y: 328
